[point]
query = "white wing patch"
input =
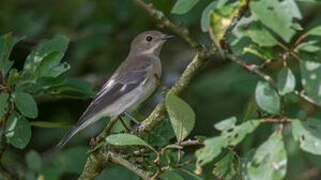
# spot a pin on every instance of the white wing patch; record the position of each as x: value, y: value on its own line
x: 105, y: 88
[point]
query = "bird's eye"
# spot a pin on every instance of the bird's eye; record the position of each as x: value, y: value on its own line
x: 149, y: 38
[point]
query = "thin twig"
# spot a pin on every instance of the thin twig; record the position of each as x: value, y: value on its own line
x: 115, y: 158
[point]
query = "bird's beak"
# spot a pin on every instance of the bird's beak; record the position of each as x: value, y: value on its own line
x: 167, y: 36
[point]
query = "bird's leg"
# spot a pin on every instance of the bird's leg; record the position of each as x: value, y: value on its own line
x: 161, y: 85
x: 123, y: 123
x: 131, y: 118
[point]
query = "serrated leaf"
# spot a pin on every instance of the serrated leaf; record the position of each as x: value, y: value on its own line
x: 170, y: 175
x: 33, y: 160
x: 183, y: 6
x: 57, y: 44
x: 308, y: 134
x: 126, y: 140
x: 269, y: 160
x: 181, y: 115
x: 3, y: 103
x: 286, y: 81
x: 224, y: 168
x: 18, y: 131
x: 276, y: 16
x: 311, y: 79
x: 267, y: 98
x: 26, y: 104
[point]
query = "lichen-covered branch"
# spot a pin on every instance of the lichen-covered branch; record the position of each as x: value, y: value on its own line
x: 115, y: 158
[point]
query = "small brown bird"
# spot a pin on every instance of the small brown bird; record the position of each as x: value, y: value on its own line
x: 132, y: 83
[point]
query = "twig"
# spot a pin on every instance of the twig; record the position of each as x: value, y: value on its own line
x: 163, y: 20
x: 253, y: 69
x: 190, y: 143
x: 115, y: 158
x: 306, y: 98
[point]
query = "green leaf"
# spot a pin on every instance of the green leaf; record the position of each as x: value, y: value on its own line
x: 161, y: 135
x: 170, y: 175
x: 266, y: 98
x: 181, y: 115
x: 224, y: 168
x: 212, y: 149
x: 50, y: 65
x: 221, y: 18
x: 311, y: 79
x: 235, y: 134
x: 260, y: 35
x: 13, y: 77
x: 46, y: 124
x: 226, y: 124
x: 18, y: 131
x: 3, y: 103
x: 311, y: 46
x: 36, y: 57
x: 33, y: 160
x: 7, y: 42
x: 171, y: 146
x: 26, y: 104
x: 205, y: 19
x: 183, y: 6
x: 315, y: 31
x: 73, y: 88
x: 276, y: 16
x: 286, y: 81
x: 126, y: 140
x: 230, y: 136
x: 269, y: 160
x: 308, y: 133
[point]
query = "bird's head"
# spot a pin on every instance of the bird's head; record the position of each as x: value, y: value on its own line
x: 149, y: 42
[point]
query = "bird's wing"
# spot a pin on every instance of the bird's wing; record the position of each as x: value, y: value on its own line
x: 113, y: 90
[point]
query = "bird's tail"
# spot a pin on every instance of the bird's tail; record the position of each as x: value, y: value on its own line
x: 68, y: 136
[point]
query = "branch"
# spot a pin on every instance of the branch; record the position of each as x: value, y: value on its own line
x: 255, y: 70
x: 163, y: 20
x: 115, y: 158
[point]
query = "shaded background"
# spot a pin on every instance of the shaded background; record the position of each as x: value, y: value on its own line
x: 100, y: 33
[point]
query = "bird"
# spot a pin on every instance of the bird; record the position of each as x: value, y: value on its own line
x: 131, y: 84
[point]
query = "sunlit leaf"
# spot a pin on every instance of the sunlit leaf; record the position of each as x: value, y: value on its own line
x: 267, y: 98
x: 269, y: 160
x: 311, y: 79
x: 308, y: 134
x: 277, y: 16
x: 181, y: 115
x: 37, y: 56
x: 286, y: 81
x: 18, y: 131
x: 224, y: 168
